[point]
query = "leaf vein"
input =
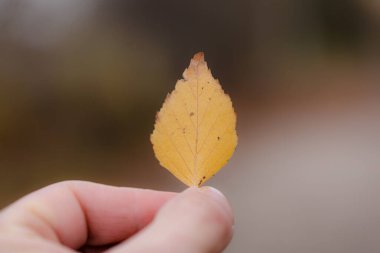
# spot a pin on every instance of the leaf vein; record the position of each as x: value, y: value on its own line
x: 213, y: 149
x: 176, y: 148
x: 181, y: 127
x: 209, y: 130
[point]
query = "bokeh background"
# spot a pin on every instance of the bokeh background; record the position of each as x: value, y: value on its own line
x: 81, y: 81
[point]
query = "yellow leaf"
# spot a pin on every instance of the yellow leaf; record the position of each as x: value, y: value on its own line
x: 194, y: 134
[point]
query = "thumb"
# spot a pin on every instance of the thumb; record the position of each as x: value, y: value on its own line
x: 196, y: 220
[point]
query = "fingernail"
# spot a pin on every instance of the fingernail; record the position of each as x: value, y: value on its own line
x: 213, y: 191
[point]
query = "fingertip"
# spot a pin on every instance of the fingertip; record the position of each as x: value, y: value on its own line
x: 195, y: 220
x: 214, y: 195
x: 219, y: 197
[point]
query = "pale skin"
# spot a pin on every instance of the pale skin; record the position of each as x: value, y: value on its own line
x: 78, y: 216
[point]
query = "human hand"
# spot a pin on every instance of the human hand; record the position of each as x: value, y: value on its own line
x: 77, y: 216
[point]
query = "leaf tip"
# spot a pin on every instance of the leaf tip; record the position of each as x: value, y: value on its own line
x: 199, y: 57
x: 198, y: 61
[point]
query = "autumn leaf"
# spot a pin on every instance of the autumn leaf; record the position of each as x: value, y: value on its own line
x: 194, y: 135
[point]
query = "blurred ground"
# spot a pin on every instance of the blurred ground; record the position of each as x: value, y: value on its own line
x: 80, y: 83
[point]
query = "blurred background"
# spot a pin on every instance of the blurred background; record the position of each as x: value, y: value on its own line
x: 81, y: 81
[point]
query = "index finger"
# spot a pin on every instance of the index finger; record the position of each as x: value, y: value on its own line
x: 75, y: 213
